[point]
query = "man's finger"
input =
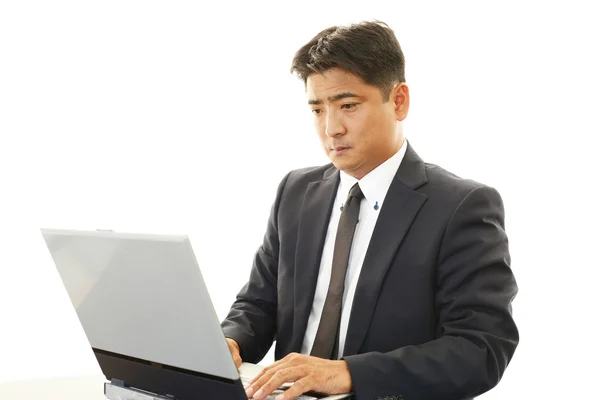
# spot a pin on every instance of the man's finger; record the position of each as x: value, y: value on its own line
x: 277, y: 379
x: 256, y: 379
x: 273, y: 367
x: 253, y: 389
x: 259, y: 380
x: 299, y: 387
x: 285, y: 362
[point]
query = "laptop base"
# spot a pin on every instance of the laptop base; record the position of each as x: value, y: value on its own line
x: 116, y: 390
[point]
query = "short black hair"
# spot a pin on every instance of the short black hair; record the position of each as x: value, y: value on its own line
x: 369, y: 50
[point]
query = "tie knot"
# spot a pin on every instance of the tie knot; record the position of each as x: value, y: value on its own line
x: 356, y: 192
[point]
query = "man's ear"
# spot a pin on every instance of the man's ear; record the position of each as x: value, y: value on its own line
x: 401, y: 98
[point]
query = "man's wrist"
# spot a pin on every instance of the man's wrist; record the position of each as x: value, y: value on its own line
x: 347, y: 378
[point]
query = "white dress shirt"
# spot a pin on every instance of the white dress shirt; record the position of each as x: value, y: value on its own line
x: 374, y: 186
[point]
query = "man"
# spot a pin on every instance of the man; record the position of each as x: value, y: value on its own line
x: 379, y: 274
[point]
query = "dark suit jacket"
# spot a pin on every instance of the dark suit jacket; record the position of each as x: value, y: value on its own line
x: 431, y: 317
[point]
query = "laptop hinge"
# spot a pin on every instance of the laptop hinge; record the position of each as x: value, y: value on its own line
x: 117, y: 382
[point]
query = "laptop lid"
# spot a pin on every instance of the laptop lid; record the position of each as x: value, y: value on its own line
x: 145, y: 310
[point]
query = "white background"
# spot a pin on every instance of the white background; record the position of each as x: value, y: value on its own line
x: 177, y: 117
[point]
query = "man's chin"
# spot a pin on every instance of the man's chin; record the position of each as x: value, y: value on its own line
x: 338, y: 164
x: 344, y: 166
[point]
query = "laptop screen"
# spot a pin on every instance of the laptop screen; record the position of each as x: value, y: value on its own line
x: 142, y: 296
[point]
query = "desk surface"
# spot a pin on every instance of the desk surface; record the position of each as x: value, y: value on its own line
x: 88, y: 387
x: 83, y: 387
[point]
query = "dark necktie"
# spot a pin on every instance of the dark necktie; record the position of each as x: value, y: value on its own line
x: 326, y: 341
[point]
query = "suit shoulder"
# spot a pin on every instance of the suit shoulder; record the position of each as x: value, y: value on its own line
x: 446, y: 183
x: 308, y: 174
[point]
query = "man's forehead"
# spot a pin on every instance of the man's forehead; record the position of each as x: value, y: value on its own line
x: 332, y: 85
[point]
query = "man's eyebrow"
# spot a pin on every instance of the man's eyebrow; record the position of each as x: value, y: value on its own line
x: 336, y: 97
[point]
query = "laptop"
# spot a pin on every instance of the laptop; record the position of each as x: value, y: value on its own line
x: 146, y: 312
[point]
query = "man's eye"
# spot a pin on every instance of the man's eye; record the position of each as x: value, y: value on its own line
x: 349, y: 106
x: 316, y: 111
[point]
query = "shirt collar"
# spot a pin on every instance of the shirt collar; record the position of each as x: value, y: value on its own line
x: 376, y: 183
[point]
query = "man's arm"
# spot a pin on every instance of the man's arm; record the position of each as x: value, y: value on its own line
x: 477, y: 335
x: 251, y: 322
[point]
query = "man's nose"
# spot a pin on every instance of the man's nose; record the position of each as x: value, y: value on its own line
x: 333, y: 125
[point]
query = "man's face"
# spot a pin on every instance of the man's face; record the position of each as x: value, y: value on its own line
x: 357, y: 128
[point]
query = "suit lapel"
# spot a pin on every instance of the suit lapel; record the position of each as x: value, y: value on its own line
x: 400, y: 207
x: 312, y: 228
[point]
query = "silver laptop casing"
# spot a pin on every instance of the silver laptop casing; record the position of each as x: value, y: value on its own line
x: 142, y: 296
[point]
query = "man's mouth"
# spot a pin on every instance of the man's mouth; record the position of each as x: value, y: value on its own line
x: 338, y: 150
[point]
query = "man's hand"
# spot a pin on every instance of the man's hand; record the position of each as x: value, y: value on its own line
x: 308, y: 374
x: 234, y: 348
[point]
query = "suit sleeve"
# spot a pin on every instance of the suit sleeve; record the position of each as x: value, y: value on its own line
x: 251, y: 321
x: 476, y: 332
